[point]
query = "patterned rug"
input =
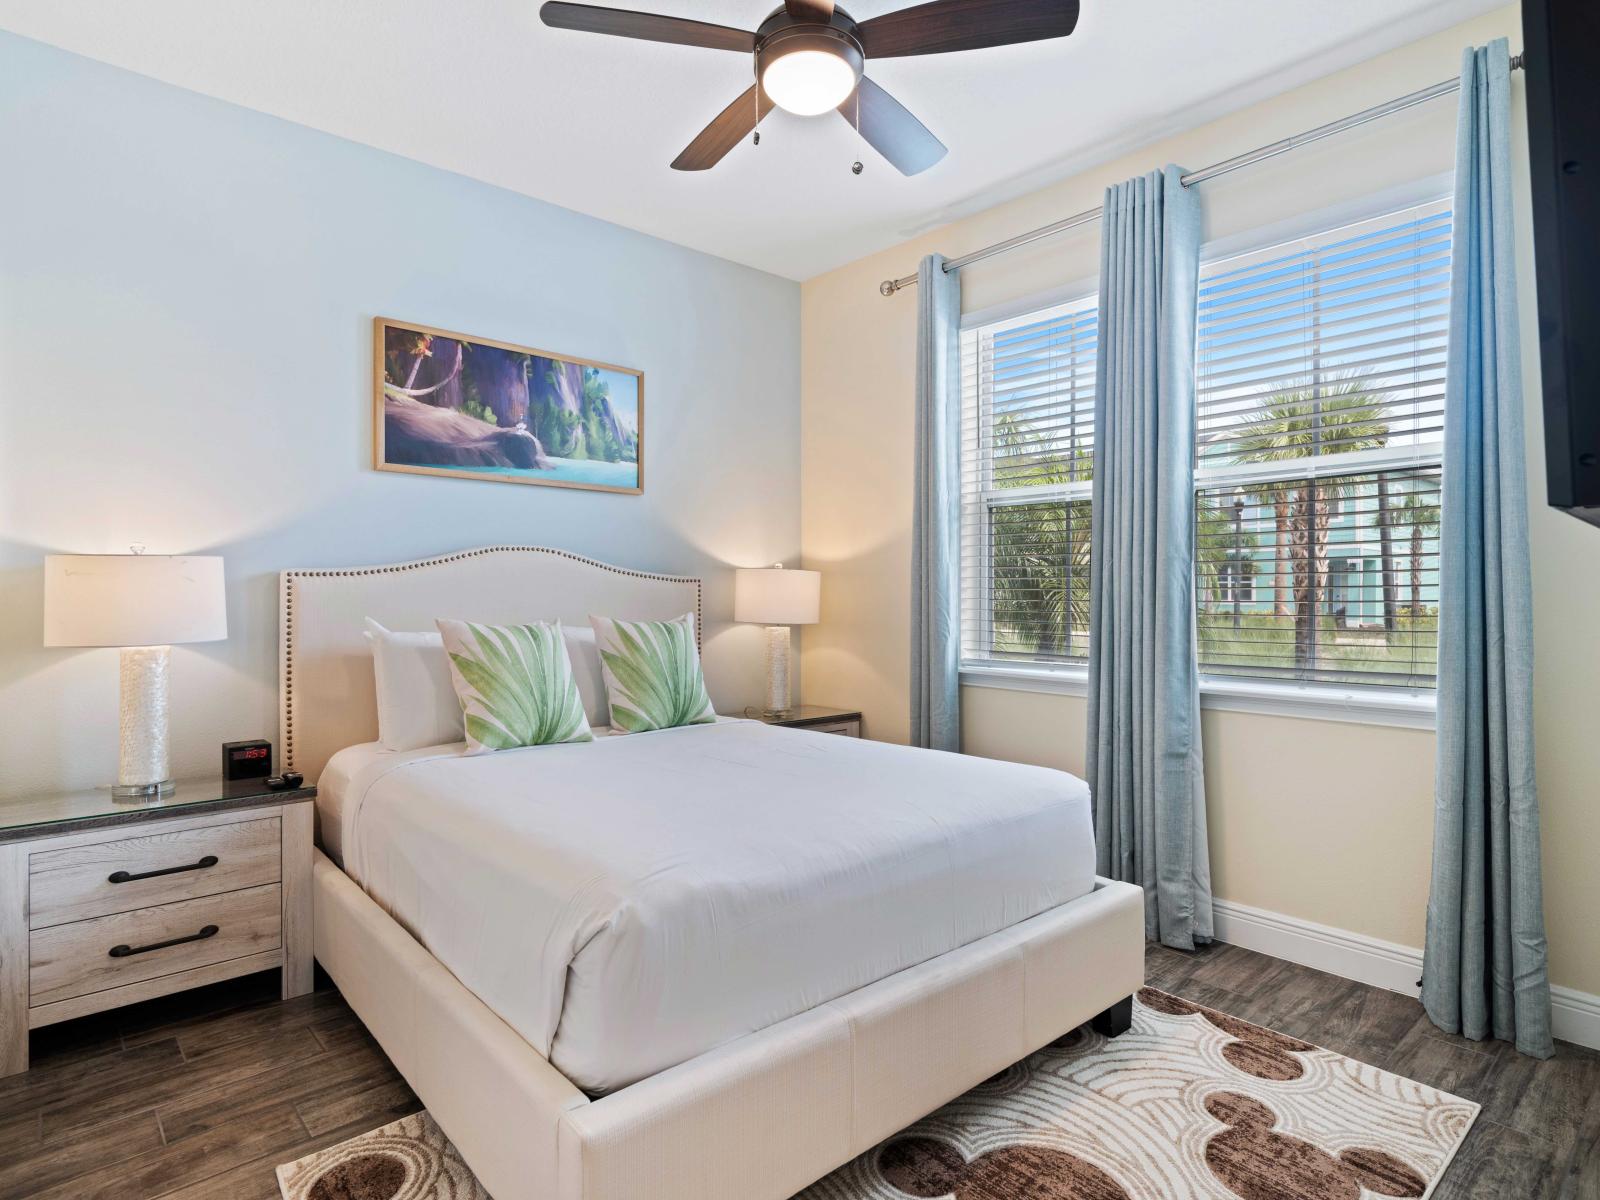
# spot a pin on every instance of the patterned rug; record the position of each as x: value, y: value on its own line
x: 1189, y: 1104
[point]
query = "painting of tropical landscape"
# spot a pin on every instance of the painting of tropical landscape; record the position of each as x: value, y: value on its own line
x: 450, y: 404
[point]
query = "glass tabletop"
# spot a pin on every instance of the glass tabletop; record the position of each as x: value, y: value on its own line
x: 803, y: 712
x: 66, y: 812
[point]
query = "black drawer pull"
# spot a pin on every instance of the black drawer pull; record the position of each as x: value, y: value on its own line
x: 209, y: 860
x: 124, y: 951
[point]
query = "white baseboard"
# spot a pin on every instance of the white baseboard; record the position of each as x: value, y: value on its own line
x: 1575, y: 1015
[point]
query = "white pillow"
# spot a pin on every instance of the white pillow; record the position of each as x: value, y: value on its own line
x: 417, y: 703
x: 420, y: 699
x: 586, y: 670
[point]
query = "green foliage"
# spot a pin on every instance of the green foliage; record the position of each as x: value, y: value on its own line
x: 1039, y: 552
x: 1265, y: 645
x: 1026, y: 458
x: 1418, y: 510
x: 657, y: 671
x: 586, y: 434
x: 523, y: 686
x: 1222, y: 538
x: 1040, y: 556
x: 474, y: 408
x: 1331, y: 418
x: 1339, y: 417
x: 552, y: 425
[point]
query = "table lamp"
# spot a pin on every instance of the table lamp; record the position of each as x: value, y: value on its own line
x: 143, y: 604
x: 777, y: 598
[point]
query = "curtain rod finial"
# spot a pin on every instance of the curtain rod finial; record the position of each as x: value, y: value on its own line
x: 888, y: 287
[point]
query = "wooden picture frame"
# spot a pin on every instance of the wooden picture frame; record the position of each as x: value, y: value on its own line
x: 465, y: 407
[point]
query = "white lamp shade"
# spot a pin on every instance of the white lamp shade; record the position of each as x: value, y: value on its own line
x: 775, y: 596
x: 133, y: 600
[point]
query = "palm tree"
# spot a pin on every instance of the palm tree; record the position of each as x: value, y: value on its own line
x: 1420, y: 510
x: 1039, y: 548
x: 1386, y: 552
x: 1300, y: 423
x: 1040, y: 552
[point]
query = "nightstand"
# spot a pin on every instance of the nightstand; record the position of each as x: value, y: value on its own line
x: 105, y: 902
x: 815, y: 717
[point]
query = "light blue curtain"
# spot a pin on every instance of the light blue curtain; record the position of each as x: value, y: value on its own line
x: 936, y: 513
x: 1144, y: 761
x: 1484, y: 970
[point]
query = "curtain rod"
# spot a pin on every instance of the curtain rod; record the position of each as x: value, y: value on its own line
x: 890, y: 286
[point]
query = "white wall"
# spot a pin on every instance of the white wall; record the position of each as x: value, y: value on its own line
x: 186, y: 296
x: 1324, y: 821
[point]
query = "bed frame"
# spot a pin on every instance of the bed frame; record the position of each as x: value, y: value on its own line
x: 756, y: 1119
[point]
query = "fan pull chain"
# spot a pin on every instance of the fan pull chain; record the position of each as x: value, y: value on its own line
x: 856, y: 167
x: 756, y: 141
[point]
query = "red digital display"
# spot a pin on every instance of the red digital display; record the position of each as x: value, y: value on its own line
x: 250, y: 759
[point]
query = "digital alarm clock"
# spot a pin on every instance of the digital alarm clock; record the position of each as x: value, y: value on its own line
x: 246, y: 760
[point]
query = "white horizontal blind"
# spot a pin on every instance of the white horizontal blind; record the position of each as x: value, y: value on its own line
x: 1320, y: 402
x: 1027, y: 457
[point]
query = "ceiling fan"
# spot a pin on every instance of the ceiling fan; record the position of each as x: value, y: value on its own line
x: 810, y: 55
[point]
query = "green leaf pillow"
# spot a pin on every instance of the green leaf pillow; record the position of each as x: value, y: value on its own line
x: 652, y: 673
x: 515, y: 685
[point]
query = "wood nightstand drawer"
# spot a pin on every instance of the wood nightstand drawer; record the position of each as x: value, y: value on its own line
x: 107, y: 952
x: 846, y: 728
x: 151, y: 868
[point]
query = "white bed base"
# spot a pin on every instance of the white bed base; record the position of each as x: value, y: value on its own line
x: 756, y: 1119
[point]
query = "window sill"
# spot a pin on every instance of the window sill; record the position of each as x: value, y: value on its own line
x: 1401, y: 707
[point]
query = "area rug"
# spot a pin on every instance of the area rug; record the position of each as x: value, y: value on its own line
x: 1189, y: 1104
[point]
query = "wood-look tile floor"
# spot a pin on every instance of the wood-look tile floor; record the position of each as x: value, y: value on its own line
x: 195, y: 1097
x: 200, y: 1096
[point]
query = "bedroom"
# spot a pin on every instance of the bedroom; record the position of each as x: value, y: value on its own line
x: 742, y: 958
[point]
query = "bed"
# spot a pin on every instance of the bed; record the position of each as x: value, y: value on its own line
x: 708, y: 962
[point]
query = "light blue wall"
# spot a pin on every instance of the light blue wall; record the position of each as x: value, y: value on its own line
x: 186, y: 297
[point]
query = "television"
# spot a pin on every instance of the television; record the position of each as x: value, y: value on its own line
x: 1561, y: 63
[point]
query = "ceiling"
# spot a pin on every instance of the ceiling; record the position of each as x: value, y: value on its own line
x: 480, y: 87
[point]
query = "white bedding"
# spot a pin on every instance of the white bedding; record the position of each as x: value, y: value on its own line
x: 630, y: 903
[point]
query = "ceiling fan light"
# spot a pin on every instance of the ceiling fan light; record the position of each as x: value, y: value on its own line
x: 808, y: 82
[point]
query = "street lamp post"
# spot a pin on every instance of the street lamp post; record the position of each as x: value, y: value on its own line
x: 1238, y: 555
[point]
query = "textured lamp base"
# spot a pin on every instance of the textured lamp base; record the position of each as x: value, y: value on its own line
x: 777, y: 671
x: 143, y: 763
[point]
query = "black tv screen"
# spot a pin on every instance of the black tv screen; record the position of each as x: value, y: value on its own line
x: 1561, y: 61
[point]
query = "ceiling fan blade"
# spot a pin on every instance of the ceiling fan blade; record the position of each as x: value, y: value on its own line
x: 731, y: 126
x: 891, y: 130
x: 946, y: 25
x: 809, y: 10
x: 651, y: 27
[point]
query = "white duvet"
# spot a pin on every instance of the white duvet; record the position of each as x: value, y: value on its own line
x: 630, y: 903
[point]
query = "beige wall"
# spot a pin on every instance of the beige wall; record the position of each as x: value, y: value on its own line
x: 1325, y: 821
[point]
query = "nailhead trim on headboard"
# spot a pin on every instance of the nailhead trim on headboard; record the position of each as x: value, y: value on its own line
x: 287, y: 580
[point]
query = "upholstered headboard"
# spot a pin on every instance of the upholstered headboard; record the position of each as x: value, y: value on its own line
x: 327, y: 699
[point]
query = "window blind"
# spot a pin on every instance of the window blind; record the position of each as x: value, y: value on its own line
x: 1320, y: 400
x: 1331, y: 579
x: 1027, y: 467
x: 1331, y: 346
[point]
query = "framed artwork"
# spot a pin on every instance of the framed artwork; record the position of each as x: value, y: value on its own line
x: 449, y: 404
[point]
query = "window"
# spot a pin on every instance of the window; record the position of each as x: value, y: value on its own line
x: 1320, y: 395
x: 1320, y: 398
x: 1027, y: 470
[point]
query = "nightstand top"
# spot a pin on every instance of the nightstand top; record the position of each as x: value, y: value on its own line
x: 805, y: 714
x: 69, y: 812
